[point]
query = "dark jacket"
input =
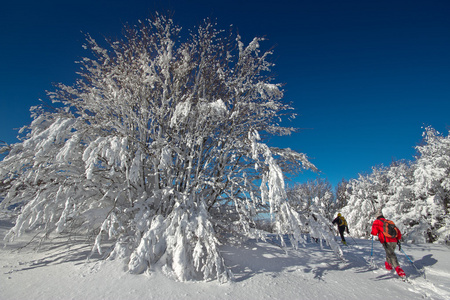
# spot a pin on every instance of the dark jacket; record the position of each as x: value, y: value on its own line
x: 341, y: 222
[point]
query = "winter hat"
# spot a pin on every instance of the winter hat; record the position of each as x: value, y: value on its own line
x: 339, y: 215
x: 379, y: 212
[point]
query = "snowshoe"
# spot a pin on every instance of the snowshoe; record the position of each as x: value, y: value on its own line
x: 400, y: 272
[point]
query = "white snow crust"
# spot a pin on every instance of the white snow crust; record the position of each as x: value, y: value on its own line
x: 59, y: 269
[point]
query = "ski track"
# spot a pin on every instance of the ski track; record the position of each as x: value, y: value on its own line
x: 416, y: 279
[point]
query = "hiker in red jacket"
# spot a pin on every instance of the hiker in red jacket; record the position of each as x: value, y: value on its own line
x: 389, y: 244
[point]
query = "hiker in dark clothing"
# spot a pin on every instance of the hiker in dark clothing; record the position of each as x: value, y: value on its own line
x: 342, y: 226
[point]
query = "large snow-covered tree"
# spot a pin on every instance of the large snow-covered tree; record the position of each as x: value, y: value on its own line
x: 157, y: 149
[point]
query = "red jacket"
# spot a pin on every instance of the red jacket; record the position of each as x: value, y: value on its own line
x: 377, y: 229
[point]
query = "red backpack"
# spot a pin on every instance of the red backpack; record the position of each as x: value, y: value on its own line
x: 389, y: 229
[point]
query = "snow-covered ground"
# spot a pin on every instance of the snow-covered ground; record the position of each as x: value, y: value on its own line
x: 60, y: 270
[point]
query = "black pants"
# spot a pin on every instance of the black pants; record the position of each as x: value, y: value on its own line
x: 341, y: 232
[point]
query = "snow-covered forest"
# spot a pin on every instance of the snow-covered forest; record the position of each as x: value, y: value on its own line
x: 158, y: 155
x: 414, y: 194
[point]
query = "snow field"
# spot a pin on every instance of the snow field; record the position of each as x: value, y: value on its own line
x: 60, y: 270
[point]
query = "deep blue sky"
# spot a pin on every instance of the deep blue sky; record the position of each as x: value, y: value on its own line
x: 364, y: 76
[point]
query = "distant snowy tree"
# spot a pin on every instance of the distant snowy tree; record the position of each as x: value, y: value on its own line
x: 365, y: 195
x: 316, y: 193
x: 314, y: 202
x: 342, y: 193
x: 157, y: 149
x: 4, y: 185
x: 432, y: 184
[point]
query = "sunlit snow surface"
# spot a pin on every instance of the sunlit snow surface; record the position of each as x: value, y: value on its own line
x: 60, y: 270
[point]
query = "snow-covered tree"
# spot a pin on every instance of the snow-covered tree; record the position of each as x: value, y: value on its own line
x: 365, y: 195
x: 315, y: 205
x: 317, y: 193
x: 342, y: 193
x: 157, y: 149
x: 432, y: 184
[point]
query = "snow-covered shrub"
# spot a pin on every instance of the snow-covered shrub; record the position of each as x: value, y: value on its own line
x: 157, y: 149
x: 314, y: 206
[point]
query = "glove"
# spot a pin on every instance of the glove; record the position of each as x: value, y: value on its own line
x: 399, y: 246
x: 348, y: 232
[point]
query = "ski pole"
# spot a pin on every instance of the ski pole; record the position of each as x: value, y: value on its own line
x: 353, y: 239
x: 371, y: 255
x: 406, y: 256
x: 371, y: 251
